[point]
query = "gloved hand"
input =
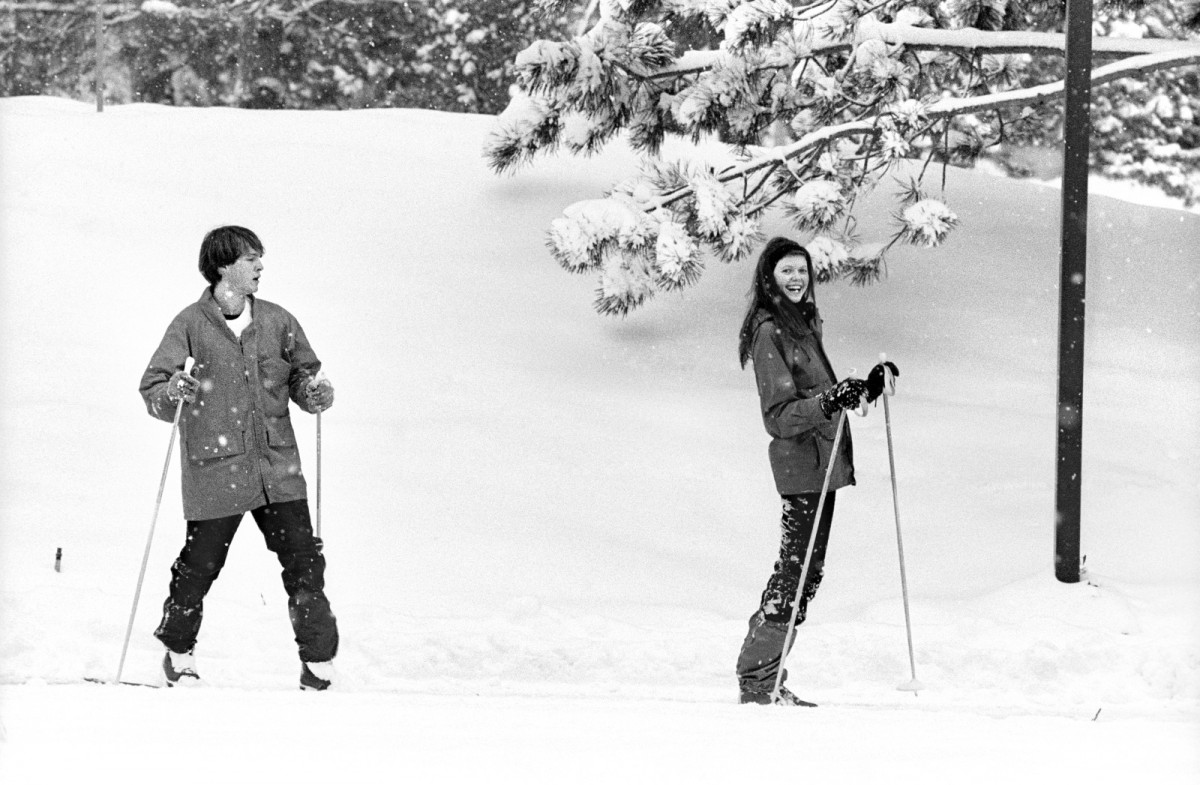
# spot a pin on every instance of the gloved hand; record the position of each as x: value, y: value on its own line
x: 876, y: 379
x: 846, y: 394
x: 182, y: 387
x: 318, y: 393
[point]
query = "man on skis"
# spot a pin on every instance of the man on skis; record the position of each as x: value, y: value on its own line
x: 239, y: 451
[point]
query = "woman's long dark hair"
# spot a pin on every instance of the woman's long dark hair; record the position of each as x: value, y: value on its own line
x: 766, y: 299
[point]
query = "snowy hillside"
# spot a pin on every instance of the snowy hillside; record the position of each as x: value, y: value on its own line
x: 545, y: 528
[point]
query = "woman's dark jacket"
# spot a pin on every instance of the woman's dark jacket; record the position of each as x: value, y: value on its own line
x: 238, y: 447
x: 791, y: 371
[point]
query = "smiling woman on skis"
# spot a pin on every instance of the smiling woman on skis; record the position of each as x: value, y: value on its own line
x: 801, y: 402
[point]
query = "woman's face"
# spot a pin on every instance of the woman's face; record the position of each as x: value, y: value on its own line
x: 791, y: 276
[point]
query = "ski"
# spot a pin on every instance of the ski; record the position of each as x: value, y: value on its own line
x: 94, y: 680
x: 795, y: 701
x: 786, y: 698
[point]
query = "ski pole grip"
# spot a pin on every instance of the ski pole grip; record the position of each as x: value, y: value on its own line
x: 889, y: 381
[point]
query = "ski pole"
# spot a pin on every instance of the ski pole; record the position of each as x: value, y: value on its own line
x: 812, y: 541
x: 313, y: 383
x: 318, y: 521
x: 187, y: 368
x: 889, y: 389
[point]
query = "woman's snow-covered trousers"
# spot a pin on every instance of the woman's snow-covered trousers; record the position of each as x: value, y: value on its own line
x: 758, y: 661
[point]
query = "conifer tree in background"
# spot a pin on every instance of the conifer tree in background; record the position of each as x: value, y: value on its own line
x: 448, y: 55
x: 844, y: 89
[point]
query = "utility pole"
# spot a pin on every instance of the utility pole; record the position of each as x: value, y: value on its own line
x: 100, y: 55
x: 1071, y: 289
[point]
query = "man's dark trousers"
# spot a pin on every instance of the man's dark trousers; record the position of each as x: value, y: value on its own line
x: 288, y: 533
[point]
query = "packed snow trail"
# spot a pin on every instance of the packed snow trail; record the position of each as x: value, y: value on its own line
x: 265, y: 737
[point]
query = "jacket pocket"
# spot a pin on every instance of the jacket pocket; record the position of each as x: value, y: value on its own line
x: 208, y: 446
x: 279, y: 432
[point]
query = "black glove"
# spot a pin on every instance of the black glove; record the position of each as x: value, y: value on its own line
x: 876, y: 380
x: 846, y: 394
x: 182, y: 387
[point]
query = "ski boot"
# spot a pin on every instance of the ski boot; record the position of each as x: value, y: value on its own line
x: 316, y: 676
x: 180, y: 669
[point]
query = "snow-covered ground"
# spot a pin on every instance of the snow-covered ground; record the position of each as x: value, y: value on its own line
x: 546, y: 529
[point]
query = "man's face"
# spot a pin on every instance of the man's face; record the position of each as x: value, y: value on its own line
x: 241, y: 277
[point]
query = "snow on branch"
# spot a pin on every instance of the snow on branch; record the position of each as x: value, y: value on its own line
x: 776, y: 155
x: 855, y: 96
x: 948, y: 107
x: 969, y: 40
x: 1004, y: 41
x: 1130, y: 66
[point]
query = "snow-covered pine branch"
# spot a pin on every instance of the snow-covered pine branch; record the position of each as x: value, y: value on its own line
x: 639, y: 246
x: 1129, y: 67
x: 586, y: 74
x: 582, y: 92
x: 776, y: 155
x: 1004, y: 41
x: 857, y: 95
x: 923, y: 39
x: 912, y: 112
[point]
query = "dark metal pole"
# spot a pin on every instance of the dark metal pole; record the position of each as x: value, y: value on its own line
x: 1071, y: 287
x: 100, y: 55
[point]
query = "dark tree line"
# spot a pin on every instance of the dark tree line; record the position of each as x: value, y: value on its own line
x: 292, y: 54
x: 461, y: 55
